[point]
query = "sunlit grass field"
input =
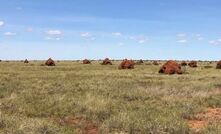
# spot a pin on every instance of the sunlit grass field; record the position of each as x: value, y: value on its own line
x: 140, y: 101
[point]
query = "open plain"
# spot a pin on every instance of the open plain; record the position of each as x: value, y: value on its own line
x: 72, y: 97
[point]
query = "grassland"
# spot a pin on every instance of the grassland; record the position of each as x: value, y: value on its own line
x: 34, y: 98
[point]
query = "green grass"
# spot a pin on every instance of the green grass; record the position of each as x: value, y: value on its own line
x: 117, y: 101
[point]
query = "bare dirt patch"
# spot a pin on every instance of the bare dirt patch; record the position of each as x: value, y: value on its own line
x: 202, y: 120
x: 197, y: 125
x: 87, y: 127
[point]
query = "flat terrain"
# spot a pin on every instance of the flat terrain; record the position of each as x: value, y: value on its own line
x: 75, y: 98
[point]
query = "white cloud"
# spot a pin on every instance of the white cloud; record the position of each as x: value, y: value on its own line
x: 140, y: 39
x: 1, y: 23
x: 9, y: 34
x: 181, y: 35
x: 53, y: 38
x: 54, y: 33
x: 198, y: 37
x: 117, y: 34
x: 182, y: 41
x: 48, y: 38
x: 120, y: 44
x: 29, y: 29
x: 87, y: 36
x: 215, y: 42
x: 93, y: 38
x: 57, y: 38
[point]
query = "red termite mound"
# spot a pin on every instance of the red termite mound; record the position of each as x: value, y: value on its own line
x: 127, y: 64
x: 139, y: 62
x: 50, y: 62
x: 86, y: 61
x: 171, y: 67
x: 183, y: 63
x: 155, y: 63
x: 26, y: 61
x: 218, y: 66
x: 193, y: 64
x: 106, y: 61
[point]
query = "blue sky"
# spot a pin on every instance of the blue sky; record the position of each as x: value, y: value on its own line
x: 95, y: 29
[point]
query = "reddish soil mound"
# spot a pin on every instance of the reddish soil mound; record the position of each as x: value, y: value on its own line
x: 86, y: 61
x: 183, y: 63
x: 193, y: 64
x: 205, y: 118
x: 50, y: 62
x: 127, y: 64
x: 106, y: 61
x: 171, y: 67
x: 218, y: 66
x: 155, y: 63
x: 87, y: 127
x: 26, y: 61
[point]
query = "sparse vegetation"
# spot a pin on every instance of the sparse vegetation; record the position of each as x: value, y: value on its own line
x: 33, y: 97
